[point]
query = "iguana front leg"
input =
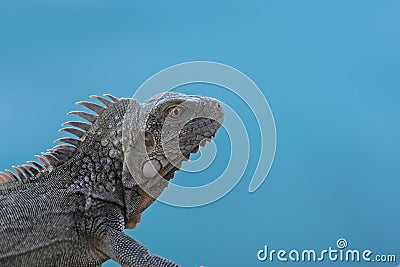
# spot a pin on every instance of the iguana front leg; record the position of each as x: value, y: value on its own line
x: 128, y: 252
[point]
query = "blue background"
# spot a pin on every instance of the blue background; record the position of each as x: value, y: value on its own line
x: 329, y: 69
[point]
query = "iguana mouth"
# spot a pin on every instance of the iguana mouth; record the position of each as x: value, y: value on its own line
x: 168, y: 172
x: 165, y: 168
x: 202, y: 144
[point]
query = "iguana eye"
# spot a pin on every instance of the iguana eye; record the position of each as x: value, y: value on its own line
x: 175, y: 111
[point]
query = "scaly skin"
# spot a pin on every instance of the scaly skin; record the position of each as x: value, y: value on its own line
x: 71, y: 209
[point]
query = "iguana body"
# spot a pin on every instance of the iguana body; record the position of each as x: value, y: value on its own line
x: 71, y: 209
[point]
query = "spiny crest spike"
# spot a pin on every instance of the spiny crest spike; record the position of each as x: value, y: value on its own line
x: 43, y: 161
x: 82, y: 125
x: 71, y: 141
x: 84, y: 115
x: 36, y: 165
x: 26, y: 171
x: 31, y: 169
x: 4, y: 177
x: 51, y: 159
x: 102, y: 100
x: 12, y: 175
x: 92, y: 106
x: 62, y: 155
x: 113, y: 98
x: 73, y: 131
x: 63, y: 146
x: 19, y: 173
x: 63, y: 152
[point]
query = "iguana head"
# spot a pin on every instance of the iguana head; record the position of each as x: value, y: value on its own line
x: 172, y: 126
x: 176, y: 126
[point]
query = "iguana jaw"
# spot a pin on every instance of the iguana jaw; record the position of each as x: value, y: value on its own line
x: 168, y: 172
x: 196, y: 139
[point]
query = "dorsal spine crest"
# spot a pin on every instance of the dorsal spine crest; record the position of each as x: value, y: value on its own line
x: 60, y: 154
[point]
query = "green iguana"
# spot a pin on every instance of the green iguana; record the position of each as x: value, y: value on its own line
x: 71, y: 207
